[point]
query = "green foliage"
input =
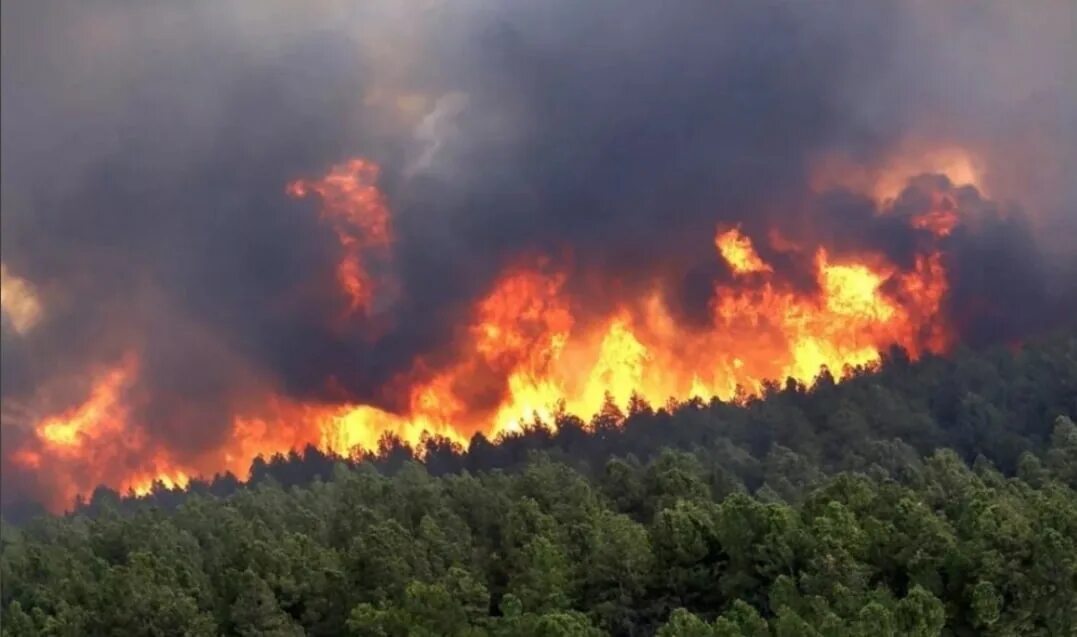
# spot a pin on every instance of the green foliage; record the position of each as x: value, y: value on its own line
x: 684, y: 624
x: 922, y: 500
x: 920, y: 614
x: 541, y: 576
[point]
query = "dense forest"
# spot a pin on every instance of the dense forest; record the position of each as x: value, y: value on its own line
x: 934, y: 497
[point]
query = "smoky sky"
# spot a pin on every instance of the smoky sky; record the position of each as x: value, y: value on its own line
x: 146, y: 148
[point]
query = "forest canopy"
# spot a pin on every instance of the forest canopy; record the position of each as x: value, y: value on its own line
x: 934, y: 497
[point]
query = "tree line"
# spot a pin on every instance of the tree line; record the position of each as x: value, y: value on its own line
x: 934, y: 497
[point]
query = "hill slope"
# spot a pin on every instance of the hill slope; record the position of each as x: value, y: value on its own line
x: 912, y: 500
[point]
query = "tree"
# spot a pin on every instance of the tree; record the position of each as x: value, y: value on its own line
x: 16, y: 623
x: 684, y: 624
x: 540, y: 578
x: 256, y: 611
x: 617, y: 567
x: 685, y: 542
x: 741, y: 620
x: 874, y: 620
x: 456, y: 606
x: 920, y: 614
x: 1062, y: 456
x: 985, y: 604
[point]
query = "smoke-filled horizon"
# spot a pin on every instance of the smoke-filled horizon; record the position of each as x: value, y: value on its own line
x: 220, y: 218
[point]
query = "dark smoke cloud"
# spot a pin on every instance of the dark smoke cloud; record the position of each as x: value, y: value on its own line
x: 146, y: 148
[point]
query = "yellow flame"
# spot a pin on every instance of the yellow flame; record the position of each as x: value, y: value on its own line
x: 738, y: 252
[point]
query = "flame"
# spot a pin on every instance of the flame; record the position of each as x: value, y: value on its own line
x: 359, y: 215
x: 938, y: 222
x: 738, y: 252
x: 102, y: 415
x: 941, y: 219
x: 529, y: 348
x: 91, y: 442
x: 145, y: 483
x: 539, y: 354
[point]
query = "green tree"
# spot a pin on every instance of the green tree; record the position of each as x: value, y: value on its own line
x: 541, y: 576
x: 257, y: 612
x: 1062, y: 455
x: 874, y: 620
x: 684, y: 624
x: 16, y: 623
x: 985, y: 604
x: 920, y: 614
x: 741, y: 620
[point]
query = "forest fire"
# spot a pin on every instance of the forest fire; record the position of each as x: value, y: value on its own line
x: 530, y: 348
x: 229, y: 237
x: 520, y: 318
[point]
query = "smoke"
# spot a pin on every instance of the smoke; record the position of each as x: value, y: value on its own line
x: 146, y: 150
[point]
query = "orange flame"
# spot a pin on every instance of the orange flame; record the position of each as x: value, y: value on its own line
x: 356, y: 209
x: 739, y: 253
x: 529, y: 347
x: 103, y: 414
x: 526, y: 348
x: 92, y: 442
x: 941, y: 219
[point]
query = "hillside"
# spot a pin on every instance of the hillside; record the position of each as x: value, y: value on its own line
x: 920, y: 498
